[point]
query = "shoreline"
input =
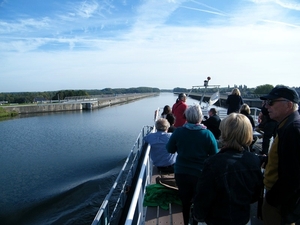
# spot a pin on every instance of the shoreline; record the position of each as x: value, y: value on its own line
x: 74, y: 105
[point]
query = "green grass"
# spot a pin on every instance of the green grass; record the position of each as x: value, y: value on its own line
x: 4, y: 113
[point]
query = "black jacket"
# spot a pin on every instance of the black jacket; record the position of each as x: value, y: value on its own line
x: 234, y: 103
x: 231, y: 180
x: 288, y: 184
x: 213, y: 123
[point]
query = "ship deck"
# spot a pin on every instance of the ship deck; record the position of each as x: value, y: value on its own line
x: 156, y: 215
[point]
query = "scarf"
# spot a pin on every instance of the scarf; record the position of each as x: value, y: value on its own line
x: 192, y: 126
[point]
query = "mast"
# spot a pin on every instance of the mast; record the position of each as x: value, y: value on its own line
x: 205, y: 89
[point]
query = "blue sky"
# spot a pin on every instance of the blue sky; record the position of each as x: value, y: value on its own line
x: 58, y: 44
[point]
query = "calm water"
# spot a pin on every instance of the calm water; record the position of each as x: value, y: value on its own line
x: 57, y: 168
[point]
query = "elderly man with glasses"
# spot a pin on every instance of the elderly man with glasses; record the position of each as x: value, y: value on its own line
x: 282, y: 172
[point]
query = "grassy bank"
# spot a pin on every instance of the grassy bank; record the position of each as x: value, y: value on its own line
x: 5, y: 114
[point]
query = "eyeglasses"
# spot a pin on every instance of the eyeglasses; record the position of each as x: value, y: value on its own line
x: 271, y: 102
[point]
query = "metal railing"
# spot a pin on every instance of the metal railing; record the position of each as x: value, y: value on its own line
x: 136, y: 212
x: 112, y: 206
x: 254, y: 112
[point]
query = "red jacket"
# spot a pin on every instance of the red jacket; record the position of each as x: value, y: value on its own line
x: 178, y: 110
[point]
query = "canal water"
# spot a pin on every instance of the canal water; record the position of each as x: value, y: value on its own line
x: 56, y: 168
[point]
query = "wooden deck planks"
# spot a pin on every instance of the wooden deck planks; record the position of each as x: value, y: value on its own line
x: 157, y: 216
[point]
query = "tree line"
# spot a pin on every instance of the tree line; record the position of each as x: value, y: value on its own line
x: 30, y: 97
x: 245, y: 91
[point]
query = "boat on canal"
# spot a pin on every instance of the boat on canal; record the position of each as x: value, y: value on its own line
x: 124, y: 204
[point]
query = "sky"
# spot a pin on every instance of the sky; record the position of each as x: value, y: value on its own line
x: 81, y: 45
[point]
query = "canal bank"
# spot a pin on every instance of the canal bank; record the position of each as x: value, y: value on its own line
x: 75, y: 105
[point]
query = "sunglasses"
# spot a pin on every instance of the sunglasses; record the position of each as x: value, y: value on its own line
x: 271, y: 102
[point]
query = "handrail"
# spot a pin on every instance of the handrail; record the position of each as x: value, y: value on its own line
x: 136, y: 213
x: 103, y: 215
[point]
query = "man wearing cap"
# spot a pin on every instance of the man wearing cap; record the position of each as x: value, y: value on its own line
x: 178, y: 110
x: 282, y: 172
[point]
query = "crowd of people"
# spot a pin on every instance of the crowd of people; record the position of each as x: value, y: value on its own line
x: 215, y: 170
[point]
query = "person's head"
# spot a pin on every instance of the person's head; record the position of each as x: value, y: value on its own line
x: 281, y: 102
x: 193, y: 114
x: 167, y: 109
x: 182, y: 97
x: 212, y: 112
x: 171, y: 118
x: 236, y: 131
x: 236, y: 91
x: 162, y: 124
x: 245, y: 109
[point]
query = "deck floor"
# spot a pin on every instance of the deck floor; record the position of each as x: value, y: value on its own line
x: 156, y: 215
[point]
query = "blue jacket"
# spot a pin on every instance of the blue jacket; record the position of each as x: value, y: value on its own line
x: 231, y: 180
x: 158, y: 153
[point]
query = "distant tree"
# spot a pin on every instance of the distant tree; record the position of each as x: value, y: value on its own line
x: 263, y: 89
x: 180, y: 90
x: 69, y: 93
x: 28, y: 97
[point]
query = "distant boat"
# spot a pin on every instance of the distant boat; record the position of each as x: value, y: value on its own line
x: 214, y: 98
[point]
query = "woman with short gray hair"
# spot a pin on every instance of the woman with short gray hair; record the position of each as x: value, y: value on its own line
x: 193, y: 114
x: 193, y: 144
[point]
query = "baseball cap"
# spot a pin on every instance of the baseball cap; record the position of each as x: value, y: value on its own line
x: 282, y: 92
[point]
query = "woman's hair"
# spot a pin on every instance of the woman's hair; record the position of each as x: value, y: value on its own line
x: 245, y: 108
x: 236, y: 91
x: 213, y: 111
x: 171, y: 118
x: 193, y: 114
x: 167, y: 110
x: 236, y: 131
x: 162, y: 124
x: 181, y: 97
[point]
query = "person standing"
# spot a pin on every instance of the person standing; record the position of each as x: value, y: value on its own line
x: 282, y: 172
x: 232, y: 179
x: 234, y: 101
x: 213, y: 123
x: 178, y: 110
x: 193, y: 143
x: 268, y: 126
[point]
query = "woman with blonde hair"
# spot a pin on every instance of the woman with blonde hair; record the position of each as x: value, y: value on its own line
x: 232, y: 179
x: 245, y: 110
x: 234, y: 101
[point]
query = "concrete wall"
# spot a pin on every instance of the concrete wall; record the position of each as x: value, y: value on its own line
x: 77, y: 105
x: 41, y: 108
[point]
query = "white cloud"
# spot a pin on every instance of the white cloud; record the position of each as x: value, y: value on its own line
x: 248, y: 46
